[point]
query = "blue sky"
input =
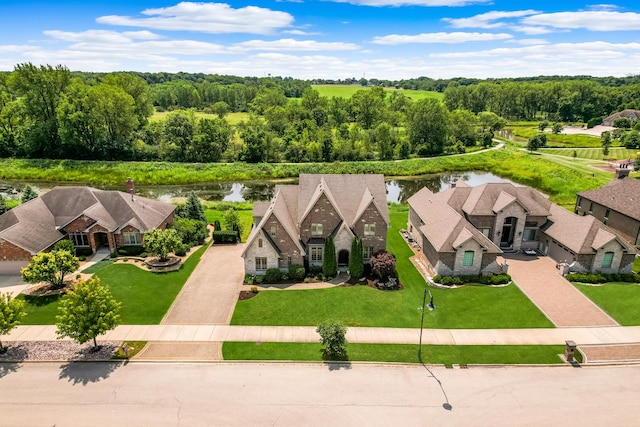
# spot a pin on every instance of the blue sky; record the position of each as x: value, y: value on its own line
x: 385, y: 39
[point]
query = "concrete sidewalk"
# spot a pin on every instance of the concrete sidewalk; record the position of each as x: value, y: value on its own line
x: 220, y: 333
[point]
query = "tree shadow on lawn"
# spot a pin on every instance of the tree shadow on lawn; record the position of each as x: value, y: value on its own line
x: 87, y: 372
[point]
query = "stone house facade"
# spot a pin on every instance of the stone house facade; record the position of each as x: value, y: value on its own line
x: 292, y: 228
x: 463, y: 230
x: 89, y: 217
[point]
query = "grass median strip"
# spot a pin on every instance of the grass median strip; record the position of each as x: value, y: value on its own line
x: 405, y: 353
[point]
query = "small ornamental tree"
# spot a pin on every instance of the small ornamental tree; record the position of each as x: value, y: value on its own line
x: 329, y: 263
x: 556, y: 128
x: 27, y: 194
x: 10, y: 314
x: 383, y: 265
x: 161, y: 242
x: 217, y: 226
x: 333, y: 338
x: 86, y: 311
x: 605, y: 139
x: 232, y: 220
x: 356, y: 263
x: 192, y: 232
x: 64, y: 245
x: 193, y: 208
x: 50, y: 267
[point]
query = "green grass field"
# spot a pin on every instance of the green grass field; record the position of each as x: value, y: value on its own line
x: 347, y: 91
x: 231, y: 118
x: 246, y: 219
x: 403, y: 353
x: 145, y: 296
x: 465, y: 307
x: 618, y: 153
x: 619, y: 300
x: 560, y: 140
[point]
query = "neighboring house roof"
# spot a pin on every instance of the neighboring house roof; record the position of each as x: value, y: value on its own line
x: 628, y: 113
x: 350, y: 195
x: 35, y: 225
x: 581, y: 234
x: 444, y: 226
x: 620, y: 195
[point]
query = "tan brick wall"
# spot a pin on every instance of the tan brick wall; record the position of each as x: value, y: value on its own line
x: 513, y: 210
x: 79, y: 224
x: 11, y: 252
x: 283, y: 241
x: 255, y: 251
x: 459, y: 268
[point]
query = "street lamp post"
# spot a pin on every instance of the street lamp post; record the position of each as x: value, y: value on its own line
x: 424, y: 300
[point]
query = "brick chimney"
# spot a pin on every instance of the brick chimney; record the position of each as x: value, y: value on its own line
x: 130, y: 187
x: 622, y: 171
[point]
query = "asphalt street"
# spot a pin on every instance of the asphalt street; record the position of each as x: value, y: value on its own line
x: 257, y: 394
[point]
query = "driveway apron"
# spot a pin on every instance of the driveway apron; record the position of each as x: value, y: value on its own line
x: 555, y: 296
x: 211, y: 292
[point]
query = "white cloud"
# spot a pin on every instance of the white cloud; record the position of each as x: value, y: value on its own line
x: 587, y: 51
x: 590, y: 20
x: 450, y: 38
x: 214, y: 18
x: 292, y: 45
x: 603, y: 6
x: 101, y: 36
x: 529, y: 42
x: 428, y: 3
x: 489, y: 19
x: 15, y: 48
x: 301, y: 33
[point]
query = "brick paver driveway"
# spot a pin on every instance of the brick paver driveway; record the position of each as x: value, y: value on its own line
x: 558, y: 299
x: 211, y: 292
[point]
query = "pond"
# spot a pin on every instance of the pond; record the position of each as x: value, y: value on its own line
x: 399, y: 189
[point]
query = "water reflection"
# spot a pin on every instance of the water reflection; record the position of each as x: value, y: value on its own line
x: 398, y: 189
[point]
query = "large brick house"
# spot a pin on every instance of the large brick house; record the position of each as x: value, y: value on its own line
x: 89, y: 217
x: 463, y: 230
x: 616, y: 204
x: 293, y: 226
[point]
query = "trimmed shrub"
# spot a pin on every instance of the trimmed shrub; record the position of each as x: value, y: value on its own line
x: 315, y: 271
x: 83, y: 252
x: 297, y: 272
x: 248, y: 279
x: 182, y: 250
x: 603, y: 278
x: 497, y: 279
x: 272, y: 275
x: 225, y: 236
x: 130, y: 250
x: 329, y: 262
x: 594, y: 121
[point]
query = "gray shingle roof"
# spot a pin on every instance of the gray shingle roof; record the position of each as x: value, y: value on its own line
x: 621, y: 195
x: 34, y: 225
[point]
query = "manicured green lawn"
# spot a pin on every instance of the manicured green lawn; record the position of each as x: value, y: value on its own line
x: 231, y: 118
x: 407, y: 353
x: 347, y: 91
x: 145, y: 296
x: 619, y: 300
x: 592, y: 153
x: 465, y: 307
x: 245, y: 219
x: 636, y: 265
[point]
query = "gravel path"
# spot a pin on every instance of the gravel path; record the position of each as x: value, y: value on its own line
x: 57, y: 351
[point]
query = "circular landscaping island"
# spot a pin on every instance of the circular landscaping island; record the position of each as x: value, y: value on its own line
x: 157, y: 263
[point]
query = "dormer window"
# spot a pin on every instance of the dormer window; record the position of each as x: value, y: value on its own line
x: 316, y: 229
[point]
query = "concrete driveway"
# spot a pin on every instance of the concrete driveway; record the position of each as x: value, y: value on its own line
x: 211, y: 292
x: 10, y: 279
x: 555, y: 296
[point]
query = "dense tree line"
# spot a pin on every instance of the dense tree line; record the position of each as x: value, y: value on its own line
x: 50, y: 112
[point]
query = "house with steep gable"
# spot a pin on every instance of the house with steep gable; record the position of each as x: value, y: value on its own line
x: 89, y: 217
x: 616, y: 204
x: 293, y: 226
x: 463, y: 230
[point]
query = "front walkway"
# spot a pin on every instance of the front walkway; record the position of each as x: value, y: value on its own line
x: 211, y: 292
x: 556, y: 297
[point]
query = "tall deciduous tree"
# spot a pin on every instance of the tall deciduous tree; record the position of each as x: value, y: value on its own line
x: 86, y: 311
x: 605, y: 139
x: 329, y: 262
x: 428, y: 127
x: 356, y: 261
x: 11, y: 312
x: 50, y: 267
x: 161, y: 242
x: 211, y: 140
x: 232, y: 221
x: 41, y: 88
x: 139, y: 91
x: 179, y: 130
